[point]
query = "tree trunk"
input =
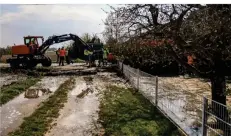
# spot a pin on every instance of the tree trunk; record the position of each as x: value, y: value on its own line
x: 218, y: 95
x: 218, y: 89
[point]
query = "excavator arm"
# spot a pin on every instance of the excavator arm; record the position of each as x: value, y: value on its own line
x: 78, y: 42
x: 30, y: 61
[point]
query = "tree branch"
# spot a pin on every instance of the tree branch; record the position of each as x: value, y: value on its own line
x: 186, y: 65
x: 154, y: 13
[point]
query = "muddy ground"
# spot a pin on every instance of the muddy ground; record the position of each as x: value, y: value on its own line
x: 80, y: 114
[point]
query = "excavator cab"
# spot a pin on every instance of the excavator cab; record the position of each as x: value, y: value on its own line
x: 33, y: 40
x: 32, y: 43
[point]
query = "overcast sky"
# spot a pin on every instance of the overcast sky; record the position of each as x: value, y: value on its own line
x: 21, y: 20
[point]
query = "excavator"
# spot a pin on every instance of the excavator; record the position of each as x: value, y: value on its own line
x: 30, y: 54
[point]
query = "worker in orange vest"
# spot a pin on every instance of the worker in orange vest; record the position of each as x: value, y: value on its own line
x: 57, y: 54
x: 190, y: 59
x: 62, y: 54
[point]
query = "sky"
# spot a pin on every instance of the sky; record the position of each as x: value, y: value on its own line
x: 46, y: 20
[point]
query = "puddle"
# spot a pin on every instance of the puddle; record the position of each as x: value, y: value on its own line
x: 13, y: 112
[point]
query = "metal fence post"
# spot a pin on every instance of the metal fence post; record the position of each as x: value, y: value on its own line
x: 122, y: 67
x: 204, y: 116
x: 156, y: 95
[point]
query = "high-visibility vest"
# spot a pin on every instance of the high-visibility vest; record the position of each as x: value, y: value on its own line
x: 90, y: 52
x: 85, y: 52
x: 62, y: 52
x: 104, y: 53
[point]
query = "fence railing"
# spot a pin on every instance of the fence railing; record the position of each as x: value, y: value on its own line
x: 192, y: 113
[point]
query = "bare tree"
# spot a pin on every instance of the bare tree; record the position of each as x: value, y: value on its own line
x: 203, y: 31
x: 187, y: 26
x: 86, y: 37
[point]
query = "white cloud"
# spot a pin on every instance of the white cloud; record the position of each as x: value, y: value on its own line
x: 56, y: 12
x: 50, y: 19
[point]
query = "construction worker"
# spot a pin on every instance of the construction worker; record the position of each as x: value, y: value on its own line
x: 100, y: 57
x: 190, y: 59
x: 90, y: 56
x: 57, y: 54
x: 67, y: 57
x: 62, y: 54
x: 86, y: 56
x: 105, y: 54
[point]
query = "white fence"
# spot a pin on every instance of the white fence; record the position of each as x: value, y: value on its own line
x: 194, y: 117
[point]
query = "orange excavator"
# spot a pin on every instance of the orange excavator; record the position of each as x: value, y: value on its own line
x: 31, y: 53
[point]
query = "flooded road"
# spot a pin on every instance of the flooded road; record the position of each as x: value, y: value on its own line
x: 178, y: 97
x: 6, y: 79
x: 80, y: 114
x: 13, y: 112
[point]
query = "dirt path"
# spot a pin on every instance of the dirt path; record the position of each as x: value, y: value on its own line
x: 80, y: 114
x: 13, y: 112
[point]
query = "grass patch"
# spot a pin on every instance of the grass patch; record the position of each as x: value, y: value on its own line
x: 127, y: 112
x: 39, y: 122
x: 9, y: 92
x: 78, y: 61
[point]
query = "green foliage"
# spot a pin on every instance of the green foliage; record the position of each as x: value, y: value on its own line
x: 39, y: 122
x: 11, y: 91
x: 151, y: 59
x: 5, y: 51
x: 228, y: 88
x: 127, y: 112
x: 78, y: 61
